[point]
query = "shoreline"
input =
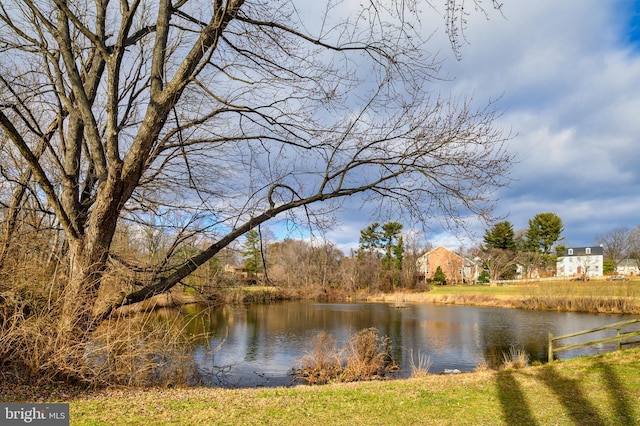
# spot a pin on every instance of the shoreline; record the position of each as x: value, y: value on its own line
x: 593, y: 305
x: 525, y: 296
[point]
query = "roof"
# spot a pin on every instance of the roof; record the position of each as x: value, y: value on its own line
x: 629, y: 263
x: 582, y: 251
x: 441, y: 248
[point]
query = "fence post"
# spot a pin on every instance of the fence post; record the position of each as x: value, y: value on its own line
x: 619, y: 341
x: 550, y: 347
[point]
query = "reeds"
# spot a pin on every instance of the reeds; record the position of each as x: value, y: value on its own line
x: 134, y: 350
x: 515, y: 358
x: 420, y: 365
x: 143, y: 350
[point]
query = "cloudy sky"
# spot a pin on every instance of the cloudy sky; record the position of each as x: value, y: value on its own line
x: 567, y: 78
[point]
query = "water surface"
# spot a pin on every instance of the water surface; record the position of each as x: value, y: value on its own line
x: 259, y: 345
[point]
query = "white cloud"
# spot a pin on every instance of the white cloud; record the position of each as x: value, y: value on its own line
x: 568, y: 83
x: 570, y: 90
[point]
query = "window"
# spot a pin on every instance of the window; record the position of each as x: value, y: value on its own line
x: 570, y: 252
x: 587, y: 250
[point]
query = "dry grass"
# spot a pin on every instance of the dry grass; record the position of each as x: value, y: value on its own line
x: 31, y: 349
x: 515, y: 358
x: 135, y: 350
x: 420, y: 365
x: 368, y: 356
x: 596, y: 296
x: 143, y: 350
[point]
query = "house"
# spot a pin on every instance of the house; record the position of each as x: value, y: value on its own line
x: 235, y: 270
x: 456, y: 268
x: 580, y: 261
x: 628, y: 267
x: 471, y: 269
x: 527, y: 272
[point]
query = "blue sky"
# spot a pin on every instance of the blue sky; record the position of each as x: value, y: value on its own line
x: 567, y: 78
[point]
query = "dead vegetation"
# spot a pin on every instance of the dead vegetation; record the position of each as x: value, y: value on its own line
x: 366, y: 357
x: 140, y: 349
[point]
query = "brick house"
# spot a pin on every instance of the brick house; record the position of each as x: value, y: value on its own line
x: 455, y: 268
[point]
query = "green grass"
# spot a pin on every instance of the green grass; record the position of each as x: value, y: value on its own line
x: 597, y: 390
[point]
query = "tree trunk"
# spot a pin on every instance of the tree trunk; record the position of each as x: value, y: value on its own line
x: 88, y: 256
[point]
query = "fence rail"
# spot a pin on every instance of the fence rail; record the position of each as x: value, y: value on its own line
x: 619, y: 337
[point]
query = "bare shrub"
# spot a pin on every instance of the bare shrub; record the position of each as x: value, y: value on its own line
x: 366, y: 357
x: 30, y: 351
x: 322, y: 363
x: 143, y: 350
x: 136, y: 350
x: 516, y: 358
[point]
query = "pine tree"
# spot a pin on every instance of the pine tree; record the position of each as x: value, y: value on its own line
x: 391, y: 240
x: 501, y: 236
x: 251, y: 252
x: 439, y: 276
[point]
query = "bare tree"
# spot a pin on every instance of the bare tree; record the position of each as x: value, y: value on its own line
x: 633, y: 243
x: 500, y: 263
x: 234, y: 111
x: 615, y: 244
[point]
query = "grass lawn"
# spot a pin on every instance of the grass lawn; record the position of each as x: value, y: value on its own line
x: 597, y: 390
x: 597, y: 296
x: 600, y: 288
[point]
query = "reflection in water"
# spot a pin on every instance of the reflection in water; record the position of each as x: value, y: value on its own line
x: 261, y: 344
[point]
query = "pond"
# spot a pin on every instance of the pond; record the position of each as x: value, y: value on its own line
x: 259, y: 345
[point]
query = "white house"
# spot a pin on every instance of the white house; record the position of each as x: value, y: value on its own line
x: 628, y: 267
x: 580, y: 261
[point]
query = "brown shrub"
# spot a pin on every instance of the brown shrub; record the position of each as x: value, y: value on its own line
x: 367, y: 356
x: 322, y: 363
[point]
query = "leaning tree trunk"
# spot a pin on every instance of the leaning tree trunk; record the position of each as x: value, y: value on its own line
x: 88, y: 256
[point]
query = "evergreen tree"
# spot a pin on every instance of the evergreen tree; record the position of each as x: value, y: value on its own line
x: 484, y: 277
x: 501, y: 236
x: 439, y: 276
x: 251, y: 252
x: 370, y: 238
x: 391, y: 241
x: 544, y: 230
x: 387, y: 238
x: 398, y: 254
x: 500, y: 251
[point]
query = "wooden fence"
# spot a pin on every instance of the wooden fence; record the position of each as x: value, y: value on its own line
x: 619, y: 337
